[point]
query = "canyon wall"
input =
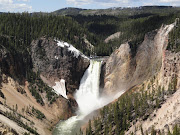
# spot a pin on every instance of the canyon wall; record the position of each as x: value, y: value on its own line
x: 167, y: 115
x: 125, y: 68
x: 52, y: 60
x: 55, y: 62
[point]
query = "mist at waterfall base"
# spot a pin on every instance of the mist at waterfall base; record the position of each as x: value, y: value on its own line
x: 88, y: 100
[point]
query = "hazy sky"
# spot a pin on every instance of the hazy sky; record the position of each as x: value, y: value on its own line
x: 52, y: 5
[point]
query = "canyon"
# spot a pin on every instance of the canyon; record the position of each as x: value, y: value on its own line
x: 54, y: 88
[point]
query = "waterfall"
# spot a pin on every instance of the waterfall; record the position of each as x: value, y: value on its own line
x: 88, y: 100
x: 87, y: 96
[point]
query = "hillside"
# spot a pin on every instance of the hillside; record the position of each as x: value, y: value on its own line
x: 68, y: 11
x: 31, y: 99
x: 133, y: 25
x: 150, y: 104
x: 46, y: 57
x: 133, y: 12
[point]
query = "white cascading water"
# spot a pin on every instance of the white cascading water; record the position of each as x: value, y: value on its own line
x: 87, y: 98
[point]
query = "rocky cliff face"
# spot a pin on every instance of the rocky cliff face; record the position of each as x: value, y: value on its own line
x: 167, y: 115
x: 113, y: 36
x: 152, y: 70
x: 57, y: 60
x: 124, y: 70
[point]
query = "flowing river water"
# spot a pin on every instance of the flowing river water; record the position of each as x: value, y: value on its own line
x: 88, y: 100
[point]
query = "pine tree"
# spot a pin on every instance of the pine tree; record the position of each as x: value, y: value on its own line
x: 176, y: 130
x: 89, y: 129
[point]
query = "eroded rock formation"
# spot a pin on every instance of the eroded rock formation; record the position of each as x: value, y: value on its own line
x: 167, y: 116
x: 57, y: 62
x: 124, y: 70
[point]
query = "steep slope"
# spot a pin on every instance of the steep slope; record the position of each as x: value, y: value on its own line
x: 150, y: 104
x: 167, y: 115
x: 112, y: 37
x: 12, y: 64
x: 56, y: 60
x: 5, y: 129
x: 29, y: 105
x: 24, y: 104
x: 149, y: 108
x: 126, y: 68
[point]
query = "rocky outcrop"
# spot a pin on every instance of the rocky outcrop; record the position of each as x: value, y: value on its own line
x: 170, y: 70
x: 167, y: 116
x: 56, y: 60
x: 125, y: 69
x: 112, y: 37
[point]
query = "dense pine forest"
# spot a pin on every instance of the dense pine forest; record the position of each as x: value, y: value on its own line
x: 132, y: 106
x: 18, y: 30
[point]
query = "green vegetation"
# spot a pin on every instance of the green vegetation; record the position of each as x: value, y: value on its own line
x: 68, y: 11
x: 16, y: 118
x: 132, y: 28
x: 116, y: 118
x: 176, y: 130
x: 26, y: 133
x: 174, y: 40
x: 37, y: 87
x: 17, y: 31
x: 38, y: 114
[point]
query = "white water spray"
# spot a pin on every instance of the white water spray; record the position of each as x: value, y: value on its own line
x: 88, y: 100
x: 87, y: 96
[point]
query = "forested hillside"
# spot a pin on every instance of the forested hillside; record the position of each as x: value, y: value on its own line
x: 146, y: 102
x: 135, y: 105
x: 21, y: 29
x: 132, y: 28
x: 74, y: 28
x: 18, y: 30
x: 174, y: 41
x: 119, y: 11
x: 87, y: 30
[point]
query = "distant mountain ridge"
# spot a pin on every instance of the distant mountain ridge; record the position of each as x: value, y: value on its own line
x: 68, y: 11
x: 114, y: 10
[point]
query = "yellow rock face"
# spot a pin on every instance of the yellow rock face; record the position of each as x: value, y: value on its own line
x: 124, y: 71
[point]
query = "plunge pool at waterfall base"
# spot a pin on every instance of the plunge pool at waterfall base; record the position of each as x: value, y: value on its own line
x: 69, y: 127
x: 73, y: 125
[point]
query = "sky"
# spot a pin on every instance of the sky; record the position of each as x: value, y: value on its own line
x: 52, y: 5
